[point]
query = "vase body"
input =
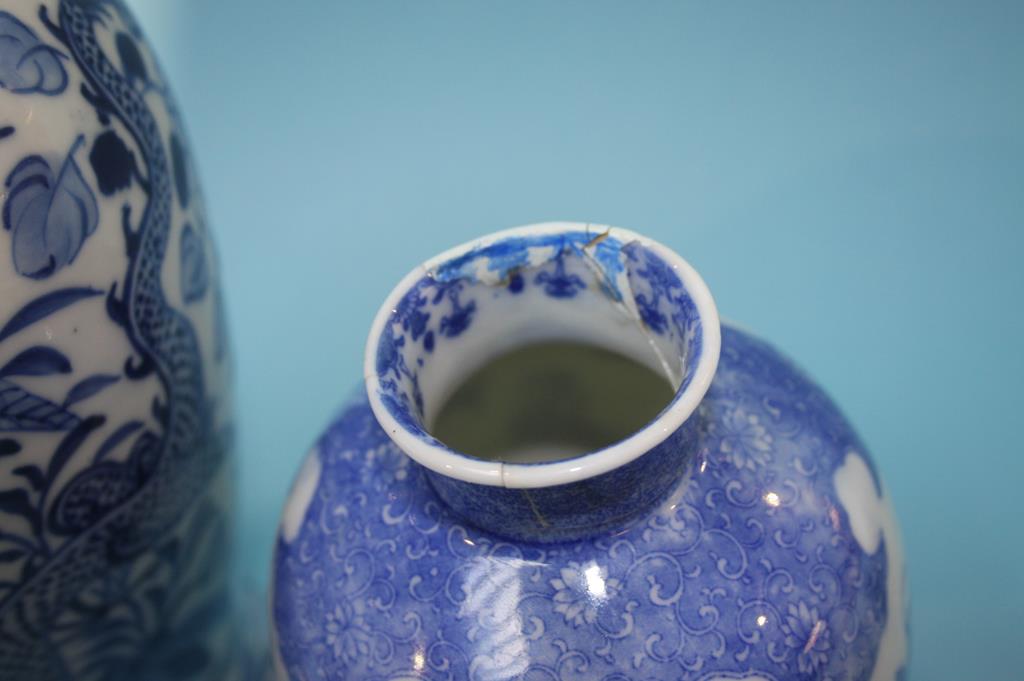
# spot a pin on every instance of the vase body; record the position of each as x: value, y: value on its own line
x: 772, y: 555
x: 114, y: 376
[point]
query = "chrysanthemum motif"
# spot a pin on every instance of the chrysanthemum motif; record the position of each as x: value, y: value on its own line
x: 348, y: 635
x: 809, y: 634
x: 744, y: 441
x: 581, y: 590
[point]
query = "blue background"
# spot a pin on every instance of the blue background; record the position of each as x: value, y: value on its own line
x: 849, y: 179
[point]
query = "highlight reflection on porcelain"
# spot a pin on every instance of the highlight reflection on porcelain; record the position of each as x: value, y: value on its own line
x: 743, y: 534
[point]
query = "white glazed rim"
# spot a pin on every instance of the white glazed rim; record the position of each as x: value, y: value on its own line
x: 463, y: 467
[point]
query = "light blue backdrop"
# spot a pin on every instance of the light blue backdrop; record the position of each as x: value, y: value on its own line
x: 849, y: 178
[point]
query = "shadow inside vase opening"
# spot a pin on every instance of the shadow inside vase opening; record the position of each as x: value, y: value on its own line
x: 580, y: 347
x: 549, y: 401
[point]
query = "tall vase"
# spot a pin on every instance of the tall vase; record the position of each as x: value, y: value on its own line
x: 115, y: 412
x: 741, y: 533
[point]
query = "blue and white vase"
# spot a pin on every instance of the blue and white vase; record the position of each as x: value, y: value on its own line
x: 741, y: 534
x: 115, y: 413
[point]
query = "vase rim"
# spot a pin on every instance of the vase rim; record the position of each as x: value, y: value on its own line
x: 445, y: 461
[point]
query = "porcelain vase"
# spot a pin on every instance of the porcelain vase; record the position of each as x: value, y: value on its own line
x: 115, y: 413
x: 743, y: 533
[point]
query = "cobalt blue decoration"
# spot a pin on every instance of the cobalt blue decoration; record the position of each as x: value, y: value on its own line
x: 112, y: 161
x: 195, y: 276
x: 37, y: 361
x: 27, y: 64
x: 114, y: 379
x: 741, y: 534
x: 49, y: 215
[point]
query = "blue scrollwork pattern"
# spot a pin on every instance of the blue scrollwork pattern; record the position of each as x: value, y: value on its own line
x: 753, y: 568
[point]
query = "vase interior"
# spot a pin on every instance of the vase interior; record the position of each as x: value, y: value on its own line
x: 550, y: 401
x: 609, y: 291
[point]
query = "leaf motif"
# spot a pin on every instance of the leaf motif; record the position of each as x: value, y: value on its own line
x: 37, y: 361
x: 44, y: 306
x: 195, y: 276
x: 31, y: 171
x: 26, y: 64
x: 33, y: 474
x: 9, y: 447
x: 49, y: 217
x: 70, y: 444
x: 21, y: 410
x: 16, y: 502
x: 88, y: 387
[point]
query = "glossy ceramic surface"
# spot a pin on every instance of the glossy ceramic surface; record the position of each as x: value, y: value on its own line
x: 114, y: 408
x: 552, y: 281
x: 771, y: 554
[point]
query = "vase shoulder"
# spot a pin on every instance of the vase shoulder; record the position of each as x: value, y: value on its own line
x: 774, y: 557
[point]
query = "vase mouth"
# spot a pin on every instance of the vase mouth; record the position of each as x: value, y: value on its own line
x: 688, y: 327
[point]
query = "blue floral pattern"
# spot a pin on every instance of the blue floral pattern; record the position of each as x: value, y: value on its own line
x: 48, y: 215
x: 113, y: 529
x: 577, y: 596
x: 749, y: 569
x: 743, y: 439
x: 348, y: 635
x: 562, y: 267
x: 441, y: 305
x: 27, y: 64
x: 559, y: 283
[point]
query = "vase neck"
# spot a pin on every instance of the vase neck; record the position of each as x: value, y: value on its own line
x: 557, y: 282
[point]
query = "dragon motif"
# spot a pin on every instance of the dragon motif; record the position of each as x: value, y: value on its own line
x: 114, y: 514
